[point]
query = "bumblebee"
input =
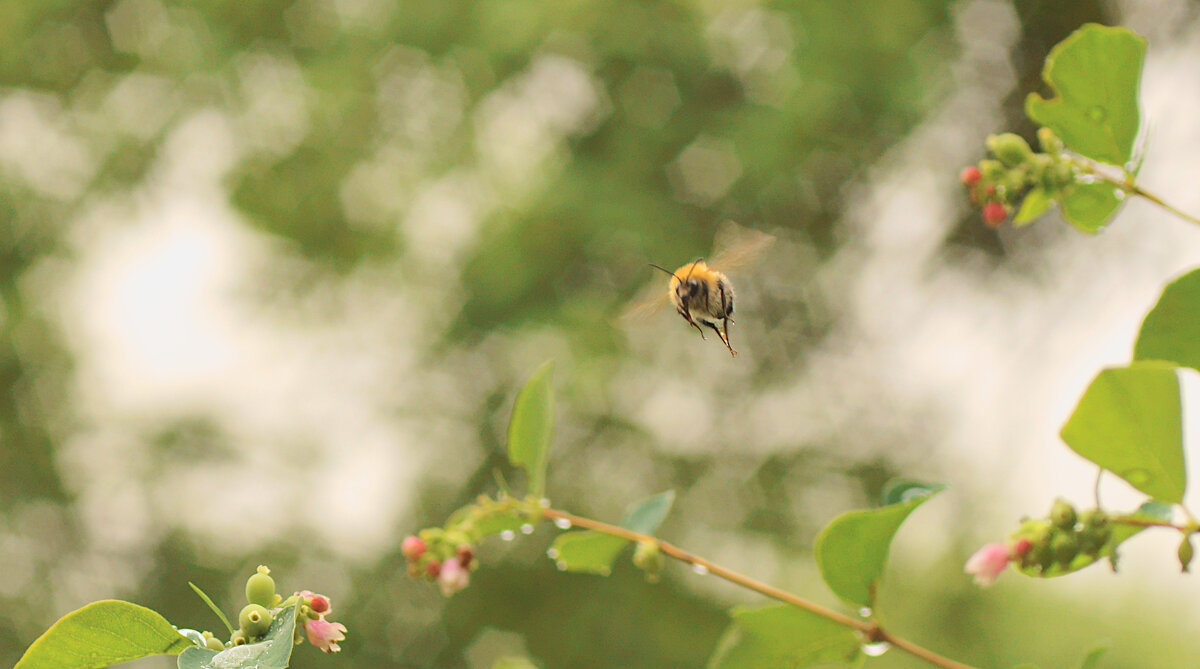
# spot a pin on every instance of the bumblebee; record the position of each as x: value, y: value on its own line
x: 703, y: 296
x: 701, y: 292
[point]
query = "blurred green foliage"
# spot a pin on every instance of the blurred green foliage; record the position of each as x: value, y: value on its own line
x: 584, y: 139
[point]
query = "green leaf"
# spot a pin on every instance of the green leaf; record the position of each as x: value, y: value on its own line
x: 1095, y: 74
x: 273, y: 652
x: 529, y: 427
x: 781, y: 636
x: 495, y: 523
x: 1036, y: 203
x: 1129, y: 421
x: 588, y: 551
x: 1090, y: 206
x: 852, y: 550
x: 1092, y: 660
x: 1171, y: 330
x: 101, y: 634
x: 648, y: 514
x: 593, y: 552
x: 212, y: 606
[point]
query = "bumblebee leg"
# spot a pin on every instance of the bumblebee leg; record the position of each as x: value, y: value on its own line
x: 724, y: 335
x: 688, y: 317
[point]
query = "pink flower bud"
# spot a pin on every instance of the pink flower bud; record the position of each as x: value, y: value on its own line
x: 453, y: 577
x: 1021, y: 548
x: 412, y: 547
x: 994, y: 214
x: 987, y: 563
x: 319, y: 603
x: 325, y: 635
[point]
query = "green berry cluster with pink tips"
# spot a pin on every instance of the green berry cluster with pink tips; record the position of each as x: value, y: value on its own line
x: 1017, y: 178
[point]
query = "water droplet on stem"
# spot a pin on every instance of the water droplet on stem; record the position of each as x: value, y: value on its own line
x: 876, y: 649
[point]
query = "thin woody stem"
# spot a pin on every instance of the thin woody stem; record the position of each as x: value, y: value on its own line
x: 1130, y: 187
x: 870, y: 629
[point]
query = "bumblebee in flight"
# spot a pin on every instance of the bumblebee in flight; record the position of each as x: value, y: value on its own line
x: 700, y: 291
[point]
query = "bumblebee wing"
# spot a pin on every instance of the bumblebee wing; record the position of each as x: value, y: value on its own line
x: 736, y: 246
x: 650, y: 301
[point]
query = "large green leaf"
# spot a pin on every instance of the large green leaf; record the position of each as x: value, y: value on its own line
x: 852, y: 550
x: 781, y: 636
x: 101, y: 634
x: 593, y: 552
x: 273, y: 652
x: 1090, y: 206
x: 1129, y: 421
x: 1095, y: 74
x: 1171, y: 330
x: 529, y: 427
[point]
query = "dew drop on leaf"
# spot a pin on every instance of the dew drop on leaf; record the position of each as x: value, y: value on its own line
x: 562, y: 566
x: 562, y: 523
x: 552, y: 553
x: 508, y: 535
x: 527, y: 529
x: 700, y: 569
x: 865, y: 612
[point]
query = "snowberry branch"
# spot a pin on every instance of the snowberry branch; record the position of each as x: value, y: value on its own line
x: 871, y: 630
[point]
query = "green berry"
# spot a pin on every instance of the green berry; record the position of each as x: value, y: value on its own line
x: 1095, y: 533
x: 1049, y: 142
x: 213, y: 643
x: 1060, y: 175
x: 238, y: 638
x: 1185, y: 553
x: 255, y: 620
x: 1062, y: 514
x: 649, y: 559
x: 992, y: 170
x: 1012, y: 150
x: 1064, y: 546
x: 260, y: 588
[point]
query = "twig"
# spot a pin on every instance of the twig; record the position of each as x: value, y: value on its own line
x: 870, y: 629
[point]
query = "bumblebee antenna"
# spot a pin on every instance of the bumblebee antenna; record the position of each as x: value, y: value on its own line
x: 664, y: 269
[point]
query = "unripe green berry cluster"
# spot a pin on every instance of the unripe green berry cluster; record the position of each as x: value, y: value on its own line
x: 998, y: 185
x: 261, y: 600
x: 1062, y: 536
x: 262, y: 607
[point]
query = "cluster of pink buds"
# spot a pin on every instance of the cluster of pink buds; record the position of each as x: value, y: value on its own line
x: 441, y: 556
x: 1046, y: 544
x: 997, y: 186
